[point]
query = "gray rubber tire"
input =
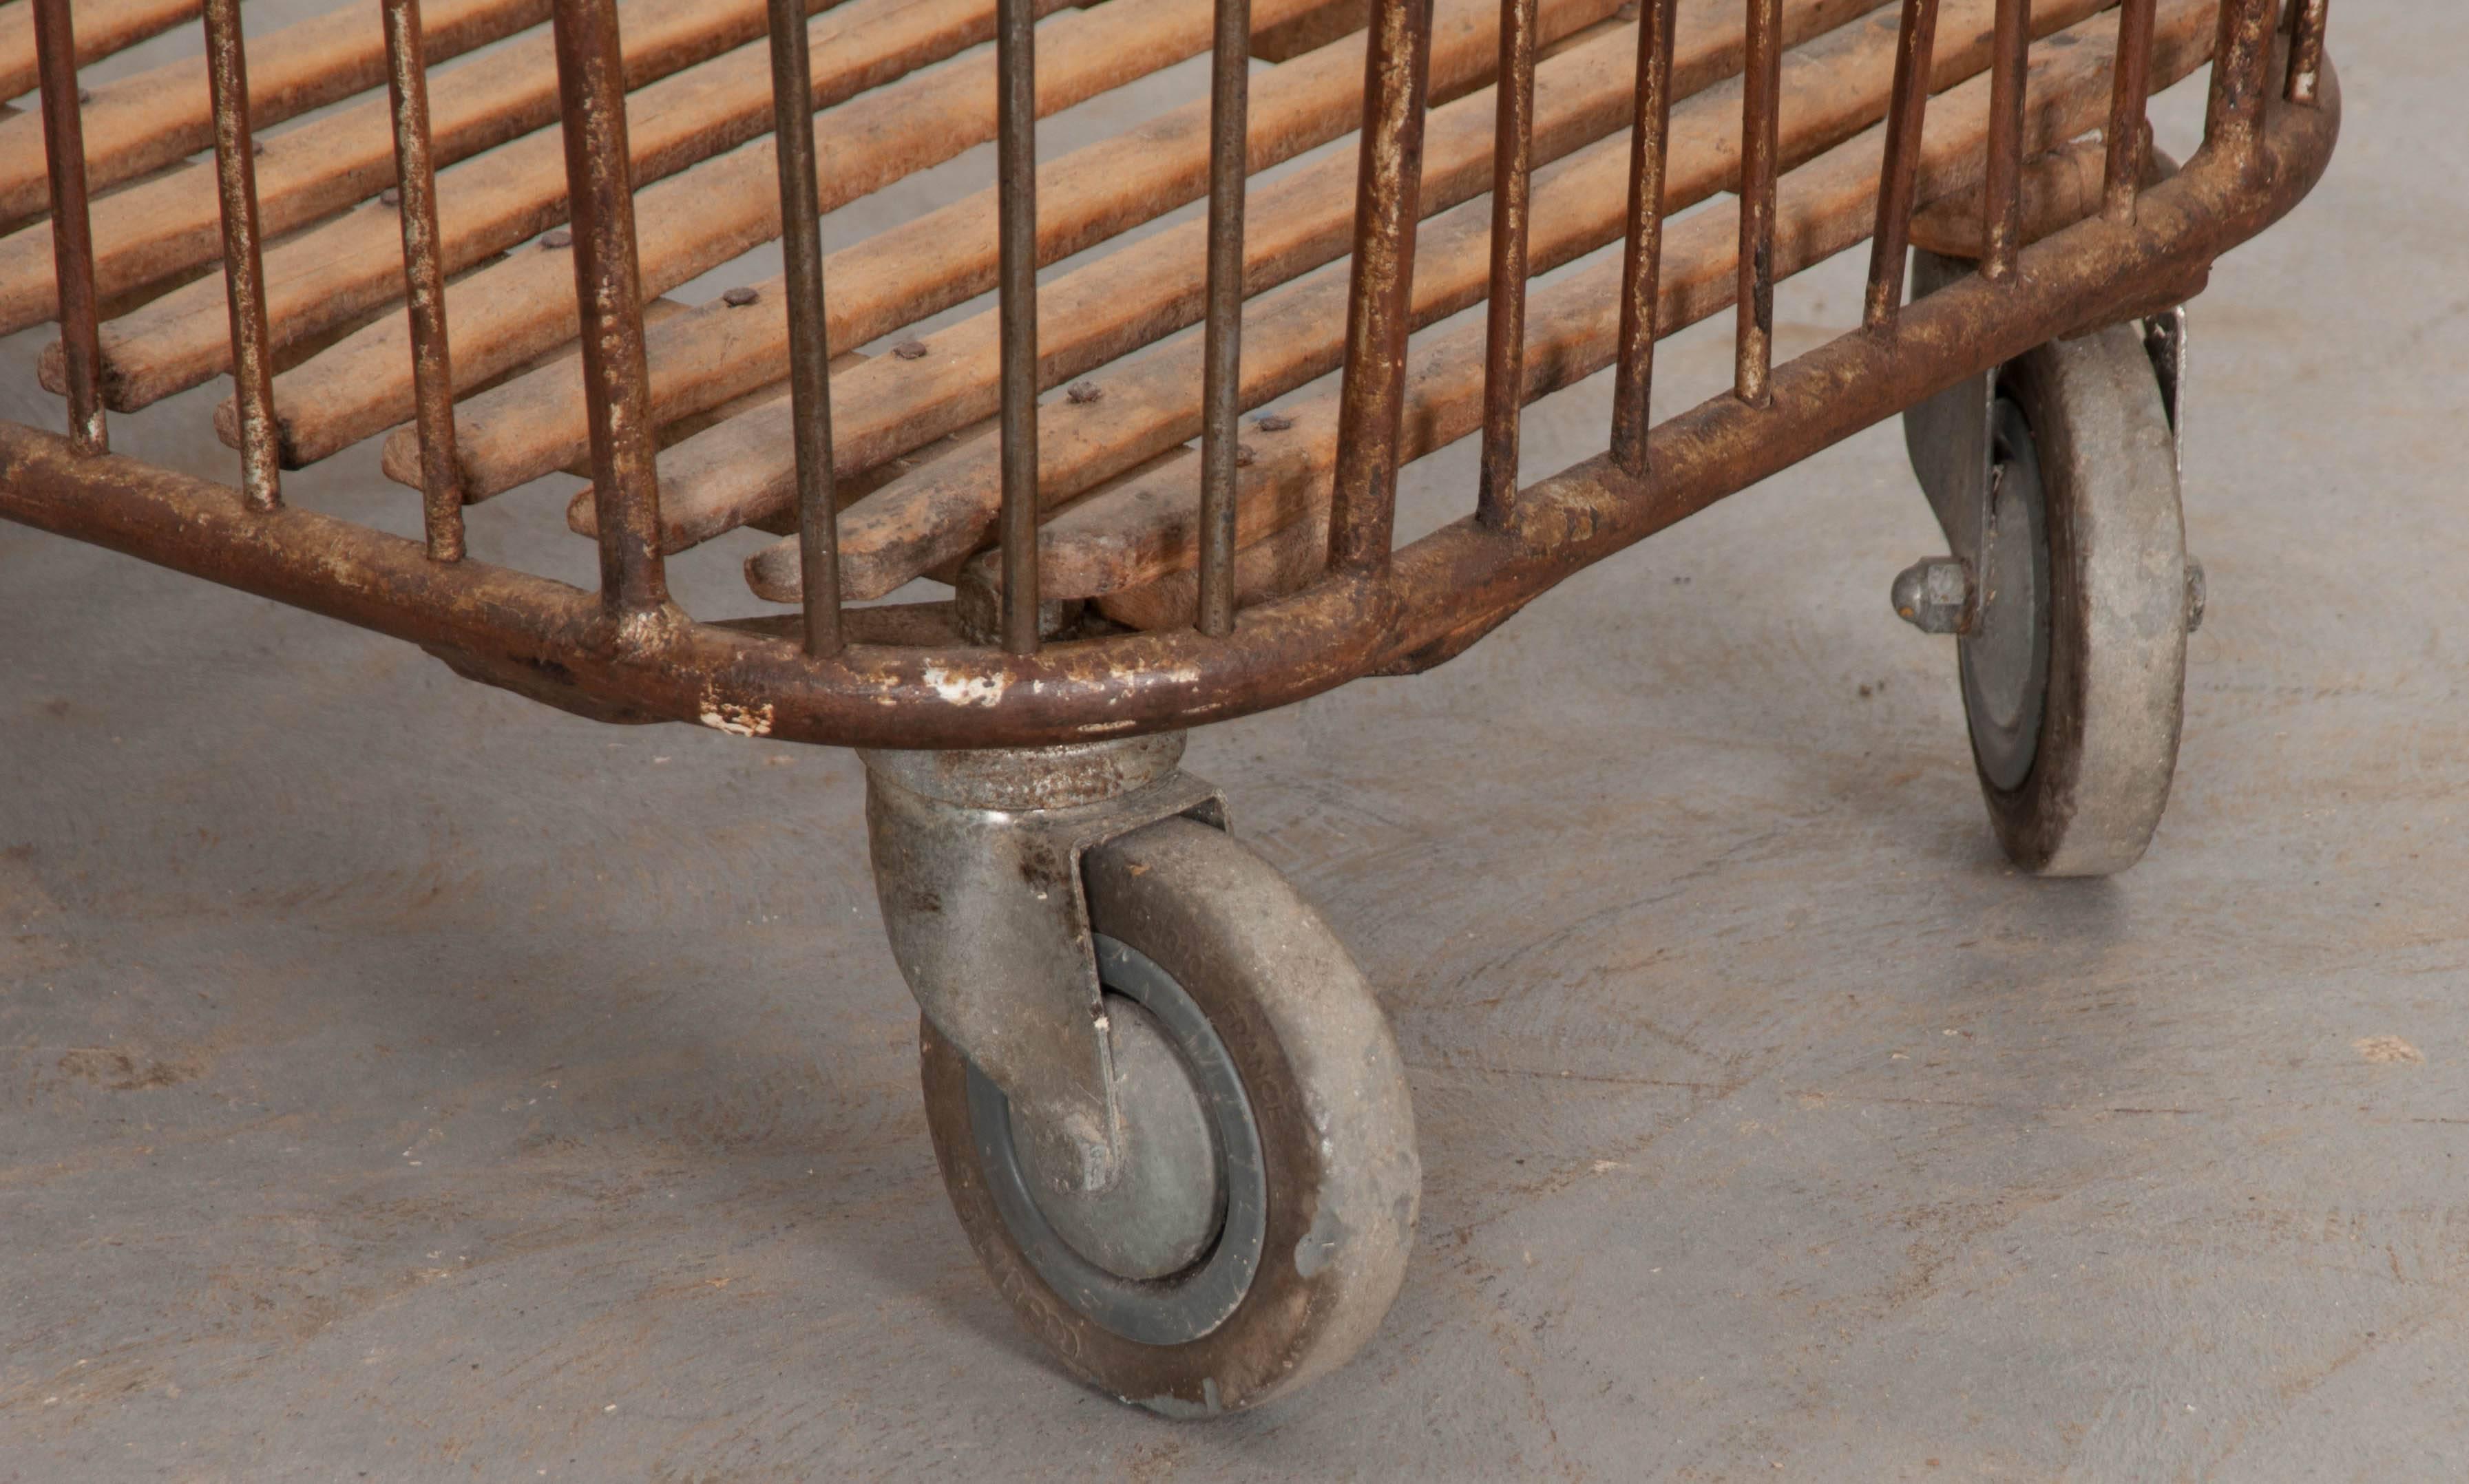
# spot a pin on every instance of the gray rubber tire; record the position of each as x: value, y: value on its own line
x: 2115, y: 610
x: 1325, y: 1090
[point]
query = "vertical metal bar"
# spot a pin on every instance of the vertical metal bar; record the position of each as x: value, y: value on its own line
x: 1513, y: 166
x: 1760, y: 120
x: 1222, y: 352
x: 2241, y: 59
x: 1642, y: 269
x: 423, y: 273
x: 2305, y: 50
x: 810, y: 352
x: 1016, y: 187
x: 1388, y: 205
x: 609, y: 296
x: 260, y: 460
x: 2002, y: 228
x: 2129, y: 89
x: 1899, y: 173
x: 72, y: 232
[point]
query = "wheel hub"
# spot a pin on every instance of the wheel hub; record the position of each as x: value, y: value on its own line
x: 1164, y: 1251
x: 1163, y: 1207
x: 2005, y: 657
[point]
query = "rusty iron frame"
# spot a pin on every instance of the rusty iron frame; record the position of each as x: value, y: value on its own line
x: 626, y: 652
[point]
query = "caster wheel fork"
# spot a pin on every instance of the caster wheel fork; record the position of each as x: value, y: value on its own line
x: 1248, y: 1227
x: 2071, y: 614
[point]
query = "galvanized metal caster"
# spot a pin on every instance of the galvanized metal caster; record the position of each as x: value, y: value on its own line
x: 1229, y: 1215
x: 2071, y: 594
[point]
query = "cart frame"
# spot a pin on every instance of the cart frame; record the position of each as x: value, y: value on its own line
x: 627, y: 652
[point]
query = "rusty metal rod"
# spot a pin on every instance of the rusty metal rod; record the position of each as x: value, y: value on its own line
x: 1513, y: 190
x: 810, y: 352
x: 1907, y: 114
x: 2122, y: 175
x: 423, y: 273
x: 261, y: 451
x: 1016, y: 277
x: 1642, y: 269
x: 1371, y: 395
x: 2241, y: 59
x: 608, y: 291
x: 2001, y: 227
x: 1761, y: 116
x: 2306, y: 19
x: 1221, y: 377
x: 72, y: 232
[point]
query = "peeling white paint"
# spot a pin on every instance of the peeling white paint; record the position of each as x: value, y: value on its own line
x: 736, y: 721
x: 966, y: 690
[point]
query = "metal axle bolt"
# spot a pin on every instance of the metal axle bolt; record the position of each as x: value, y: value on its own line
x: 1934, y: 595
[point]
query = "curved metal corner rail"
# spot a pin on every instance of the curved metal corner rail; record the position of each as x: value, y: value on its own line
x: 626, y: 652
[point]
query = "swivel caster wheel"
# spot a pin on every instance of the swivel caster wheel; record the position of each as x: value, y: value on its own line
x: 1257, y: 1225
x: 2072, y: 617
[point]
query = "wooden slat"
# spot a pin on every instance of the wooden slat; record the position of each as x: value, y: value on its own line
x: 165, y: 227
x: 660, y: 312
x: 2060, y: 189
x: 1151, y: 287
x: 1311, y: 30
x: 1836, y: 85
x: 704, y: 217
x: 1573, y: 327
x: 946, y: 256
x: 102, y: 26
x: 155, y: 117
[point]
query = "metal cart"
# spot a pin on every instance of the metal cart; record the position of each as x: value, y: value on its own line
x: 1167, y: 1105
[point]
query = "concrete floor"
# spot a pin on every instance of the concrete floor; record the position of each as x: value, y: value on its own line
x: 403, y: 1081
